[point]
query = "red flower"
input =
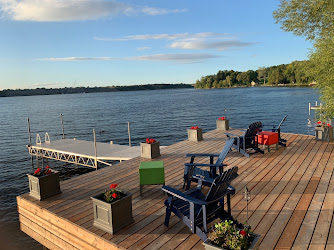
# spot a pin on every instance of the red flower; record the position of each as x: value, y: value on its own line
x: 196, y: 127
x: 114, y: 195
x: 150, y: 140
x: 38, y: 170
x: 221, y: 118
x: 113, y: 185
x: 243, y: 232
x: 319, y: 122
x: 47, y: 167
x: 329, y: 125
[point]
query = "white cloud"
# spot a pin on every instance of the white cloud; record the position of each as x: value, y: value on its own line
x: 196, y: 41
x: 45, y: 84
x: 200, y: 45
x: 143, y: 48
x: 180, y: 58
x: 68, y: 59
x: 174, y: 57
x: 71, y: 10
x: 163, y: 36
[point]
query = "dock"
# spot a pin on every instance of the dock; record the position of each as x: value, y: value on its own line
x: 82, y: 152
x: 291, y: 205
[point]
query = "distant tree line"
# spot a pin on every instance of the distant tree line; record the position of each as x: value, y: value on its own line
x: 55, y: 91
x: 293, y: 73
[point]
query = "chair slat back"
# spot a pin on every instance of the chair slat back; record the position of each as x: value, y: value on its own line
x: 225, y: 151
x: 253, y: 129
x: 279, y: 125
x: 220, y: 184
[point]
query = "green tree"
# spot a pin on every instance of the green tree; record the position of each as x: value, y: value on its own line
x: 262, y: 74
x: 314, y: 20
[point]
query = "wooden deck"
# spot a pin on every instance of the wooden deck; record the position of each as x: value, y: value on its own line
x: 292, y: 200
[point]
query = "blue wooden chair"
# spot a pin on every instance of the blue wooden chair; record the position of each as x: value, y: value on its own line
x: 194, y: 171
x: 247, y: 141
x: 196, y: 209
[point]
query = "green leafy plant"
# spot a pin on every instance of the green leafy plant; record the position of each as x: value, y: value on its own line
x: 113, y: 194
x: 230, y: 235
x: 41, y: 172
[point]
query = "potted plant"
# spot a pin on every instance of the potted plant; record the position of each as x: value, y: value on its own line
x: 222, y: 123
x: 44, y: 183
x: 323, y: 131
x: 112, y: 209
x: 195, y: 134
x: 231, y: 235
x: 150, y: 148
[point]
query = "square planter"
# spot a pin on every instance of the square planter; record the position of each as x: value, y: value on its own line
x: 150, y: 150
x: 111, y: 217
x: 254, y: 245
x: 45, y: 186
x: 324, y: 133
x: 195, y: 134
x: 223, y: 125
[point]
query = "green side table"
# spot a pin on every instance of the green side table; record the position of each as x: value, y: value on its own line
x: 151, y: 173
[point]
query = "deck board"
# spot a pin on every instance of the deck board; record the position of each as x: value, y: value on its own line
x: 292, y: 192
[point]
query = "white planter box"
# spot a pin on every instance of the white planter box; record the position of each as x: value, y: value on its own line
x: 223, y: 125
x: 150, y: 150
x: 195, y: 134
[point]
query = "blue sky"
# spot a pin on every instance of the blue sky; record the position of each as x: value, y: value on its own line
x: 72, y: 43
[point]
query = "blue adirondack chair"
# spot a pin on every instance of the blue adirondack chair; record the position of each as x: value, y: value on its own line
x: 194, y: 171
x: 196, y: 209
x: 247, y: 140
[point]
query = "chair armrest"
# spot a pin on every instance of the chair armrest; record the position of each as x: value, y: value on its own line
x: 182, y: 196
x: 234, y: 135
x: 201, y: 155
x: 203, y: 165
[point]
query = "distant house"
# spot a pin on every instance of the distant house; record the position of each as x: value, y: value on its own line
x: 253, y: 83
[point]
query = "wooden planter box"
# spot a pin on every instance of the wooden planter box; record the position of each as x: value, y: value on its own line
x: 150, y: 150
x: 111, y: 217
x: 324, y: 133
x: 223, y: 125
x: 45, y: 186
x: 195, y: 134
x: 254, y: 245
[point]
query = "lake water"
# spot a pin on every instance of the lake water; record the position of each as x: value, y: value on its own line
x: 160, y: 114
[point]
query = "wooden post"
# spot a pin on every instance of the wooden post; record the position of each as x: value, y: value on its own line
x: 31, y: 156
x: 62, y: 125
x: 129, y: 134
x: 95, y: 148
x: 309, y: 108
x: 29, y: 131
